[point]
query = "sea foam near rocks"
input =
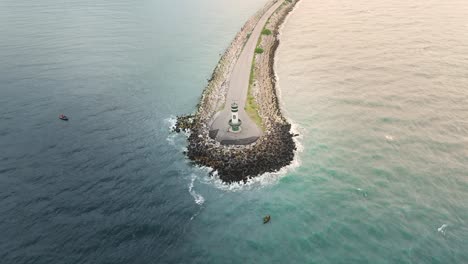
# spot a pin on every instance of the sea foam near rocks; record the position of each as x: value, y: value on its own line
x: 198, y: 198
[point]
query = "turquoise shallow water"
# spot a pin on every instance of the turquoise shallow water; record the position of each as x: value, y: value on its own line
x: 376, y: 90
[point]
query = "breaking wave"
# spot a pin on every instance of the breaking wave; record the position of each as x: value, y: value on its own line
x: 266, y: 179
x: 199, y: 199
x: 175, y: 139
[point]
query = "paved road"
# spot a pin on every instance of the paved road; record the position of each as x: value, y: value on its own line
x: 237, y: 91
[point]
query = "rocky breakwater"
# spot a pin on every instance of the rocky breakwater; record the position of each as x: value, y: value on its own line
x: 275, y: 148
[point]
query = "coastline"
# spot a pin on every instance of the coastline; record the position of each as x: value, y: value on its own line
x: 275, y: 148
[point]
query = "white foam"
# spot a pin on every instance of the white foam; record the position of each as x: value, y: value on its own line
x: 266, y: 179
x: 389, y: 137
x: 254, y: 183
x: 171, y: 122
x: 196, y: 196
x: 442, y: 228
x: 173, y: 138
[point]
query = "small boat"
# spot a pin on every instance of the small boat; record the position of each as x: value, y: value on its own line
x: 63, y: 117
x: 266, y: 219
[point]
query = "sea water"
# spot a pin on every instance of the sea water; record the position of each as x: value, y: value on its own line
x: 376, y: 90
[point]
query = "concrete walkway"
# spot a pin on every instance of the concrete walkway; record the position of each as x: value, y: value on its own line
x: 237, y: 92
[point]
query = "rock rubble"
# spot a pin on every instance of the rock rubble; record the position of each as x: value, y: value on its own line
x: 275, y: 148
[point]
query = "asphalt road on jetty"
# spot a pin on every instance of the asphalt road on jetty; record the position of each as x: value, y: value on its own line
x: 237, y: 92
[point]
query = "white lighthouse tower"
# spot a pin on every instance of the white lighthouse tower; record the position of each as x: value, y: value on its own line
x: 235, y: 122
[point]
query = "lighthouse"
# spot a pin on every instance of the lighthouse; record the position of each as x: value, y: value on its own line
x: 234, y: 122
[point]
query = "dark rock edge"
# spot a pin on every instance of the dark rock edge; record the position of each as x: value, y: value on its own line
x: 271, y: 152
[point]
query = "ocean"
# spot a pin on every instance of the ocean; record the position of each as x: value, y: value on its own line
x: 377, y: 91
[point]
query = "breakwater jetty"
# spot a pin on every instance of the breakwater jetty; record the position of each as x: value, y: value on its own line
x: 244, y: 76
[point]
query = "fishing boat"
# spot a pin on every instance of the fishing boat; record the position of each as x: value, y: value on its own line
x: 63, y: 117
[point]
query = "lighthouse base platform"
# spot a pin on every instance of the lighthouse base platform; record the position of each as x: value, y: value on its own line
x: 248, y: 134
x: 235, y: 128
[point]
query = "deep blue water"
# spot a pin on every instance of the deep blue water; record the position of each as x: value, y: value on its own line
x: 107, y: 186
x: 377, y: 91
